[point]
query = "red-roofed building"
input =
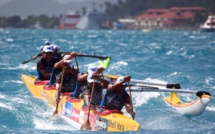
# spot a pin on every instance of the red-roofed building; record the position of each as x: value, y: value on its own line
x: 187, y: 9
x: 175, y: 16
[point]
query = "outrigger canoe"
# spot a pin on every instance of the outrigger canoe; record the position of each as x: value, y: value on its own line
x: 71, y: 110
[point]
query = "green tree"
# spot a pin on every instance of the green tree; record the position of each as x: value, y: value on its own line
x: 14, y: 21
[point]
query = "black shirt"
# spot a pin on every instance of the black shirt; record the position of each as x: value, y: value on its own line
x: 42, y: 64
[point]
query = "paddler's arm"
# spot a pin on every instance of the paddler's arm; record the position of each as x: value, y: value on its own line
x: 57, y: 89
x: 58, y: 79
x: 99, y: 70
x: 60, y: 63
x: 45, y: 74
x: 64, y: 53
x: 82, y: 77
x: 38, y: 55
x: 129, y: 109
x: 74, y: 71
x: 116, y: 86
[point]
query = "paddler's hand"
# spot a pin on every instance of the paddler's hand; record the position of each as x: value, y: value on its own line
x: 72, y: 55
x: 132, y: 114
x: 127, y: 78
x: 99, y: 70
x: 57, y: 100
x: 95, y: 76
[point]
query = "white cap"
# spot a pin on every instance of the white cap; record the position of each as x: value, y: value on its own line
x: 90, y: 79
x: 66, y: 56
x: 91, y: 69
x: 47, y: 42
x: 55, y: 47
x: 70, y: 62
x: 121, y: 79
x: 41, y: 48
x: 47, y: 49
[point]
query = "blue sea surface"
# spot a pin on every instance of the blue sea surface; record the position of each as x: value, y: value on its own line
x: 184, y: 57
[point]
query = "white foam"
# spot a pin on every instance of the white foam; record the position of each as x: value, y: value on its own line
x: 154, y: 45
x: 210, y: 82
x: 14, y: 81
x: 122, y: 63
x: 9, y: 40
x: 123, y: 44
x: 48, y: 123
x: 210, y: 108
x: 27, y: 66
x: 22, y: 67
x: 19, y: 100
x: 169, y: 53
x: 2, y: 96
x: 155, y: 81
x: 92, y: 36
x: 143, y: 98
x: 92, y: 64
x: 6, y: 105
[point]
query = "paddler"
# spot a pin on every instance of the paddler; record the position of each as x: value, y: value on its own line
x: 56, y: 52
x: 97, y: 91
x: 93, y: 73
x: 40, y: 54
x: 117, y: 97
x: 82, y: 81
x: 46, y: 64
x: 69, y: 76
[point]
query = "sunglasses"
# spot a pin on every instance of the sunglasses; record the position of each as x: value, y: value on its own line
x: 48, y: 53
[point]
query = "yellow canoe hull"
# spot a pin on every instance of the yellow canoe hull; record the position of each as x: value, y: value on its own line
x: 75, y: 115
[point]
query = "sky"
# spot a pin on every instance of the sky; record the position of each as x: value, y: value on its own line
x: 2, y: 2
x: 30, y: 7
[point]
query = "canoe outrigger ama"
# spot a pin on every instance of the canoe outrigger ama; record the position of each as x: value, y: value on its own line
x: 193, y: 108
x: 71, y: 110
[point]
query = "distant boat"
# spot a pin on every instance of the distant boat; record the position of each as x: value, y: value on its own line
x: 69, y: 20
x: 209, y: 25
x: 147, y: 30
x: 91, y: 20
x: 37, y: 26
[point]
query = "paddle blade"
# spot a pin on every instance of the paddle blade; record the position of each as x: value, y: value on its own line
x: 86, y: 125
x: 24, y: 62
x: 55, y: 112
x: 104, y: 63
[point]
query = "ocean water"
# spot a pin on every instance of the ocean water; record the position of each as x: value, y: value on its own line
x: 184, y: 57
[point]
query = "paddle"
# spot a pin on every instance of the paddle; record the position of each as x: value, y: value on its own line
x: 76, y: 85
x: 93, y: 56
x: 76, y: 63
x: 131, y: 103
x: 24, y: 62
x: 58, y: 95
x: 86, y: 125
